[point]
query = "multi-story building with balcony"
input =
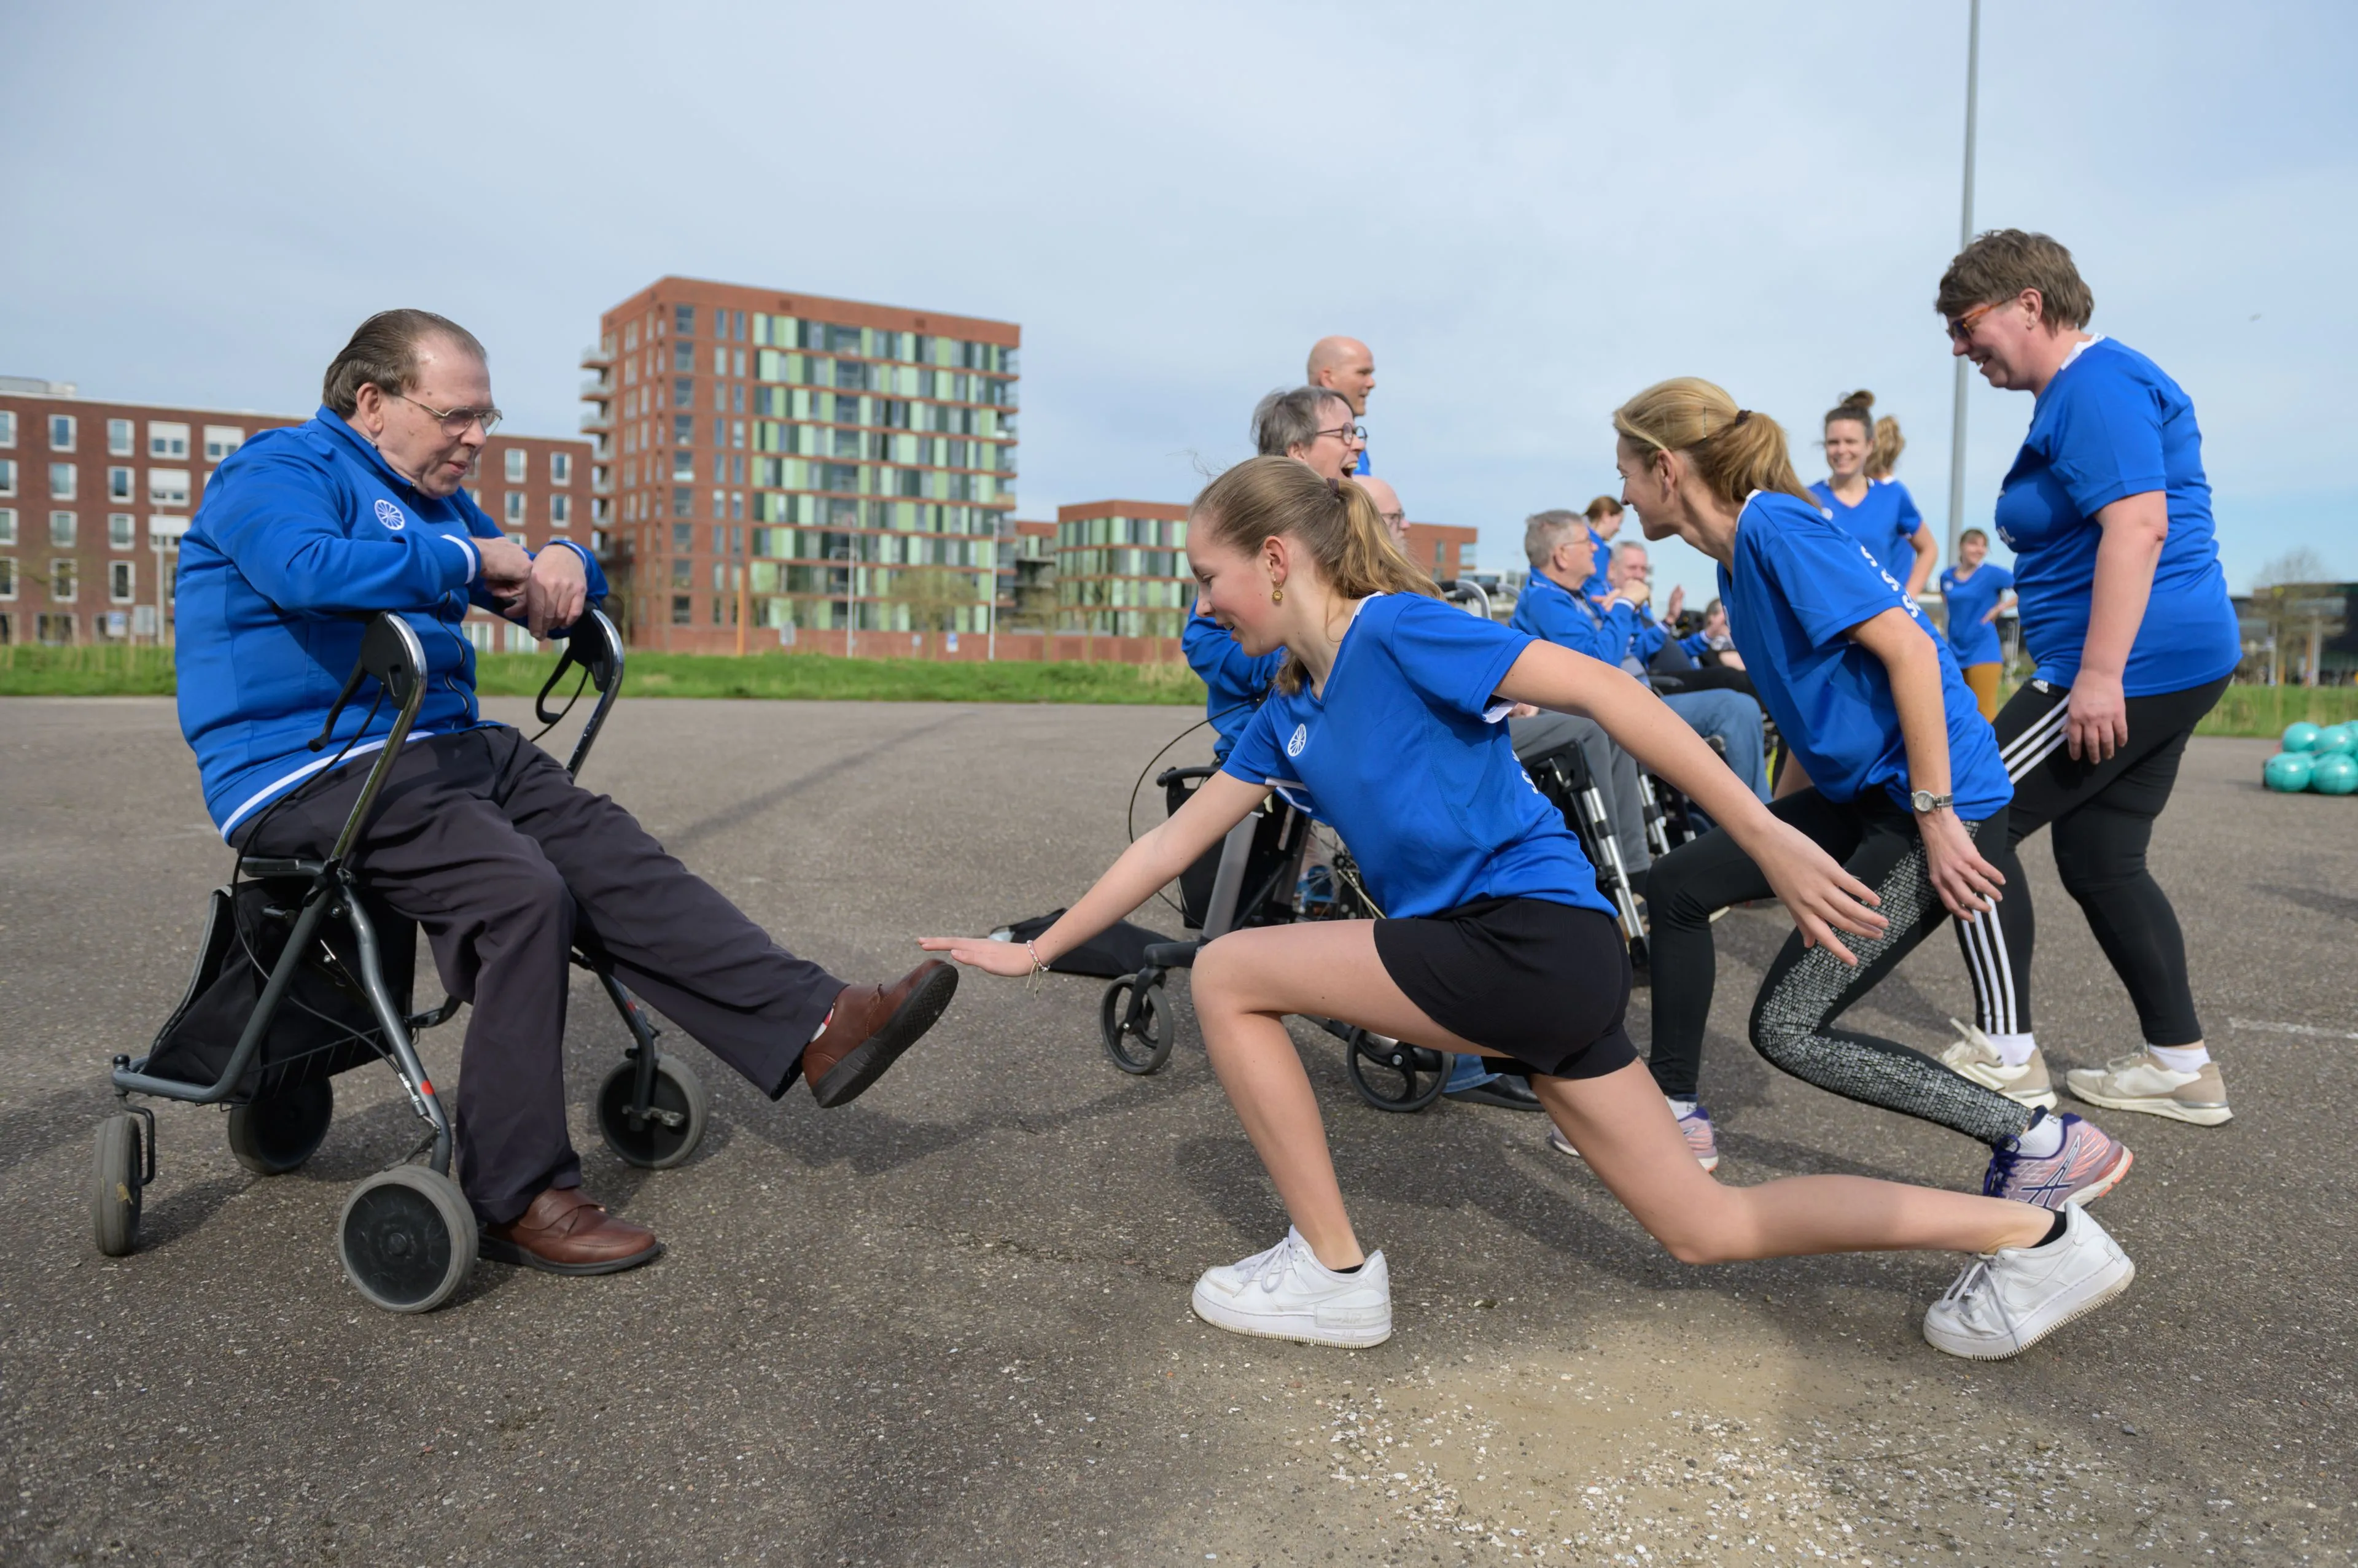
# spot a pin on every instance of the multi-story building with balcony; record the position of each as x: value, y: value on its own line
x: 1121, y: 568
x: 773, y: 463
x: 94, y: 497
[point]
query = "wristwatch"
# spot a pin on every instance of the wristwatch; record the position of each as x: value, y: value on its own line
x: 1926, y: 802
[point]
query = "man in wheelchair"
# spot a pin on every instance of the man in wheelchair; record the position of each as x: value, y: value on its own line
x: 479, y: 835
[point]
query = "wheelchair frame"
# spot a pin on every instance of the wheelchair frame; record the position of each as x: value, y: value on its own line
x: 409, y: 1234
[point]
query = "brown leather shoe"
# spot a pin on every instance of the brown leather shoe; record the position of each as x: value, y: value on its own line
x: 565, y: 1233
x: 871, y: 1027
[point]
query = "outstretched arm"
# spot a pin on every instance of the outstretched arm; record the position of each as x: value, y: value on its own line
x: 1821, y: 897
x: 1160, y: 855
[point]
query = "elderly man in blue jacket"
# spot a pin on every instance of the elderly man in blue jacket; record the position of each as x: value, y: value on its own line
x: 480, y: 835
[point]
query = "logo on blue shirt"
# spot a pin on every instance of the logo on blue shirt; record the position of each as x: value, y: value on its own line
x: 1299, y: 739
x: 389, y: 514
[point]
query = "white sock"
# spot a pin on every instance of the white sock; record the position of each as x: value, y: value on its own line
x: 1682, y: 1107
x: 2181, y: 1058
x: 2014, y: 1049
x: 822, y: 1027
x: 2043, y: 1138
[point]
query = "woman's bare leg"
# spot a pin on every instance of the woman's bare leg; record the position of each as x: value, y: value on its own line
x: 1626, y: 1134
x: 1247, y: 981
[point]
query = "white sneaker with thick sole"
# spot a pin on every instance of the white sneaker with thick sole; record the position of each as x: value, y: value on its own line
x: 2139, y: 1082
x: 1975, y: 1057
x: 1286, y: 1293
x: 2009, y: 1299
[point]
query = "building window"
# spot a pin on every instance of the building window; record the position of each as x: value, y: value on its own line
x: 683, y: 320
x: 61, y: 530
x: 7, y: 525
x: 683, y: 501
x: 118, y: 484
x: 561, y: 468
x: 560, y: 512
x: 8, y: 426
x: 7, y: 476
x: 681, y: 610
x: 61, y: 432
x: 519, y: 463
x: 168, y: 487
x: 121, y: 531
x: 121, y: 581
x: 7, y: 576
x: 513, y: 505
x: 220, y: 440
x: 118, y: 438
x: 683, y: 538
x: 683, y: 358
x: 683, y: 464
x: 683, y: 429
x: 61, y: 582
x: 167, y: 440
x: 62, y: 478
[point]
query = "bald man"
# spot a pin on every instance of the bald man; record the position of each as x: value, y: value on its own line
x: 1345, y: 366
x: 1388, y: 507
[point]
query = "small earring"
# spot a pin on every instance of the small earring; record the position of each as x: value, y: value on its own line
x: 1277, y: 593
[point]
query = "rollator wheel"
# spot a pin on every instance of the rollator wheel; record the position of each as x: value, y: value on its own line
x: 114, y: 1185
x: 670, y: 1133
x: 277, y: 1133
x: 407, y: 1239
x: 1144, y: 1048
x: 1393, y: 1075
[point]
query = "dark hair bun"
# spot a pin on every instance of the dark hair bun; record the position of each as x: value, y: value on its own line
x: 1861, y: 399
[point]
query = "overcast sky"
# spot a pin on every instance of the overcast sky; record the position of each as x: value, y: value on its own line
x: 1529, y: 213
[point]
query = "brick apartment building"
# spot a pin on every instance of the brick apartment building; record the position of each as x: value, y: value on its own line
x: 779, y: 468
x: 95, y: 496
x: 1442, y: 548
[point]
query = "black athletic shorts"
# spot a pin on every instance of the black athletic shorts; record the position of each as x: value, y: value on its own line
x: 1546, y: 983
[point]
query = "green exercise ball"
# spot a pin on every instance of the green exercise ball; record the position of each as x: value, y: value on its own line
x: 2301, y: 737
x: 2335, y: 773
x: 2336, y: 738
x: 2289, y: 771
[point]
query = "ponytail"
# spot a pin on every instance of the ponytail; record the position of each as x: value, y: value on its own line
x: 1883, y: 454
x: 1335, y: 520
x: 1735, y: 450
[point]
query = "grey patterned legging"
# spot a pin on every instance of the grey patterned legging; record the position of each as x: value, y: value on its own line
x: 1807, y: 988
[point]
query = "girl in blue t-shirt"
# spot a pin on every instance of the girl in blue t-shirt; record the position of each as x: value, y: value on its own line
x: 2124, y: 607
x: 1972, y: 593
x: 1891, y: 767
x: 1497, y: 942
x: 1877, y: 510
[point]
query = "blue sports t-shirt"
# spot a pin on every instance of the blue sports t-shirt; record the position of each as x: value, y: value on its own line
x: 1885, y: 521
x: 1799, y: 585
x: 1234, y: 679
x: 2111, y: 425
x: 1403, y: 757
x: 1968, y: 599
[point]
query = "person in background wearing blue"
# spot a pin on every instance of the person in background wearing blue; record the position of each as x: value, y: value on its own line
x: 1892, y: 769
x: 1346, y: 367
x: 1495, y: 938
x: 480, y: 837
x: 1972, y: 594
x: 2124, y: 606
x: 1877, y: 512
x: 1604, y: 516
x: 1235, y: 681
x: 1712, y: 643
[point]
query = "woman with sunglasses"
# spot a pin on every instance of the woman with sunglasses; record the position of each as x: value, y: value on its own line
x: 1497, y: 942
x: 2124, y: 607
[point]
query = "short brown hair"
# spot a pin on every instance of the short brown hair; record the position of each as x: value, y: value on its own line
x: 383, y: 354
x: 2002, y: 262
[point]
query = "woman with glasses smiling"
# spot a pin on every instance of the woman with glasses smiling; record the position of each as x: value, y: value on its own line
x: 1310, y: 424
x: 2123, y: 604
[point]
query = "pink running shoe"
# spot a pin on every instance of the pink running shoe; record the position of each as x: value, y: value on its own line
x: 1694, y: 1126
x: 2090, y: 1164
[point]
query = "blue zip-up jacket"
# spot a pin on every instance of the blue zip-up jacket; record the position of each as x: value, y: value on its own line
x: 304, y: 532
x: 1235, y: 680
x: 1550, y: 612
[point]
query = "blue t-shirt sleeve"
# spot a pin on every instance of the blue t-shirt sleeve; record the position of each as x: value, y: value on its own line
x: 2105, y: 440
x: 1454, y: 661
x: 1827, y: 576
x: 1258, y: 757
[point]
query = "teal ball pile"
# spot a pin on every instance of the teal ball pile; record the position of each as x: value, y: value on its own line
x: 2336, y: 740
x: 2335, y: 772
x: 2301, y: 737
x: 2289, y: 772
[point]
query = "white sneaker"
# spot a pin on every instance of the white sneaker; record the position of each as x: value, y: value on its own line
x: 1286, y: 1293
x: 2009, y: 1299
x: 1975, y: 1057
x: 2139, y: 1082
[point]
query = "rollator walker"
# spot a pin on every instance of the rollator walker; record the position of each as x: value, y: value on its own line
x: 334, y: 967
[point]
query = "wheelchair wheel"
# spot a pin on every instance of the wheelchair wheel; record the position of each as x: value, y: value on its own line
x: 407, y: 1238
x: 115, y: 1186
x: 1393, y: 1075
x: 673, y: 1125
x: 273, y: 1135
x: 1144, y: 1047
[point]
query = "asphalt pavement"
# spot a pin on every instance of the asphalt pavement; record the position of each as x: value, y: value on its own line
x: 949, y: 1323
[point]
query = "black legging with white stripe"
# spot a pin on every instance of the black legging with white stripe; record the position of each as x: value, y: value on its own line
x: 2103, y: 813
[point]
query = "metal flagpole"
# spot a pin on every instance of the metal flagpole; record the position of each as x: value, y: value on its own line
x: 1964, y: 238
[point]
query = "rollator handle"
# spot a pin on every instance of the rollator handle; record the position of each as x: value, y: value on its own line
x: 391, y: 653
x: 594, y: 644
